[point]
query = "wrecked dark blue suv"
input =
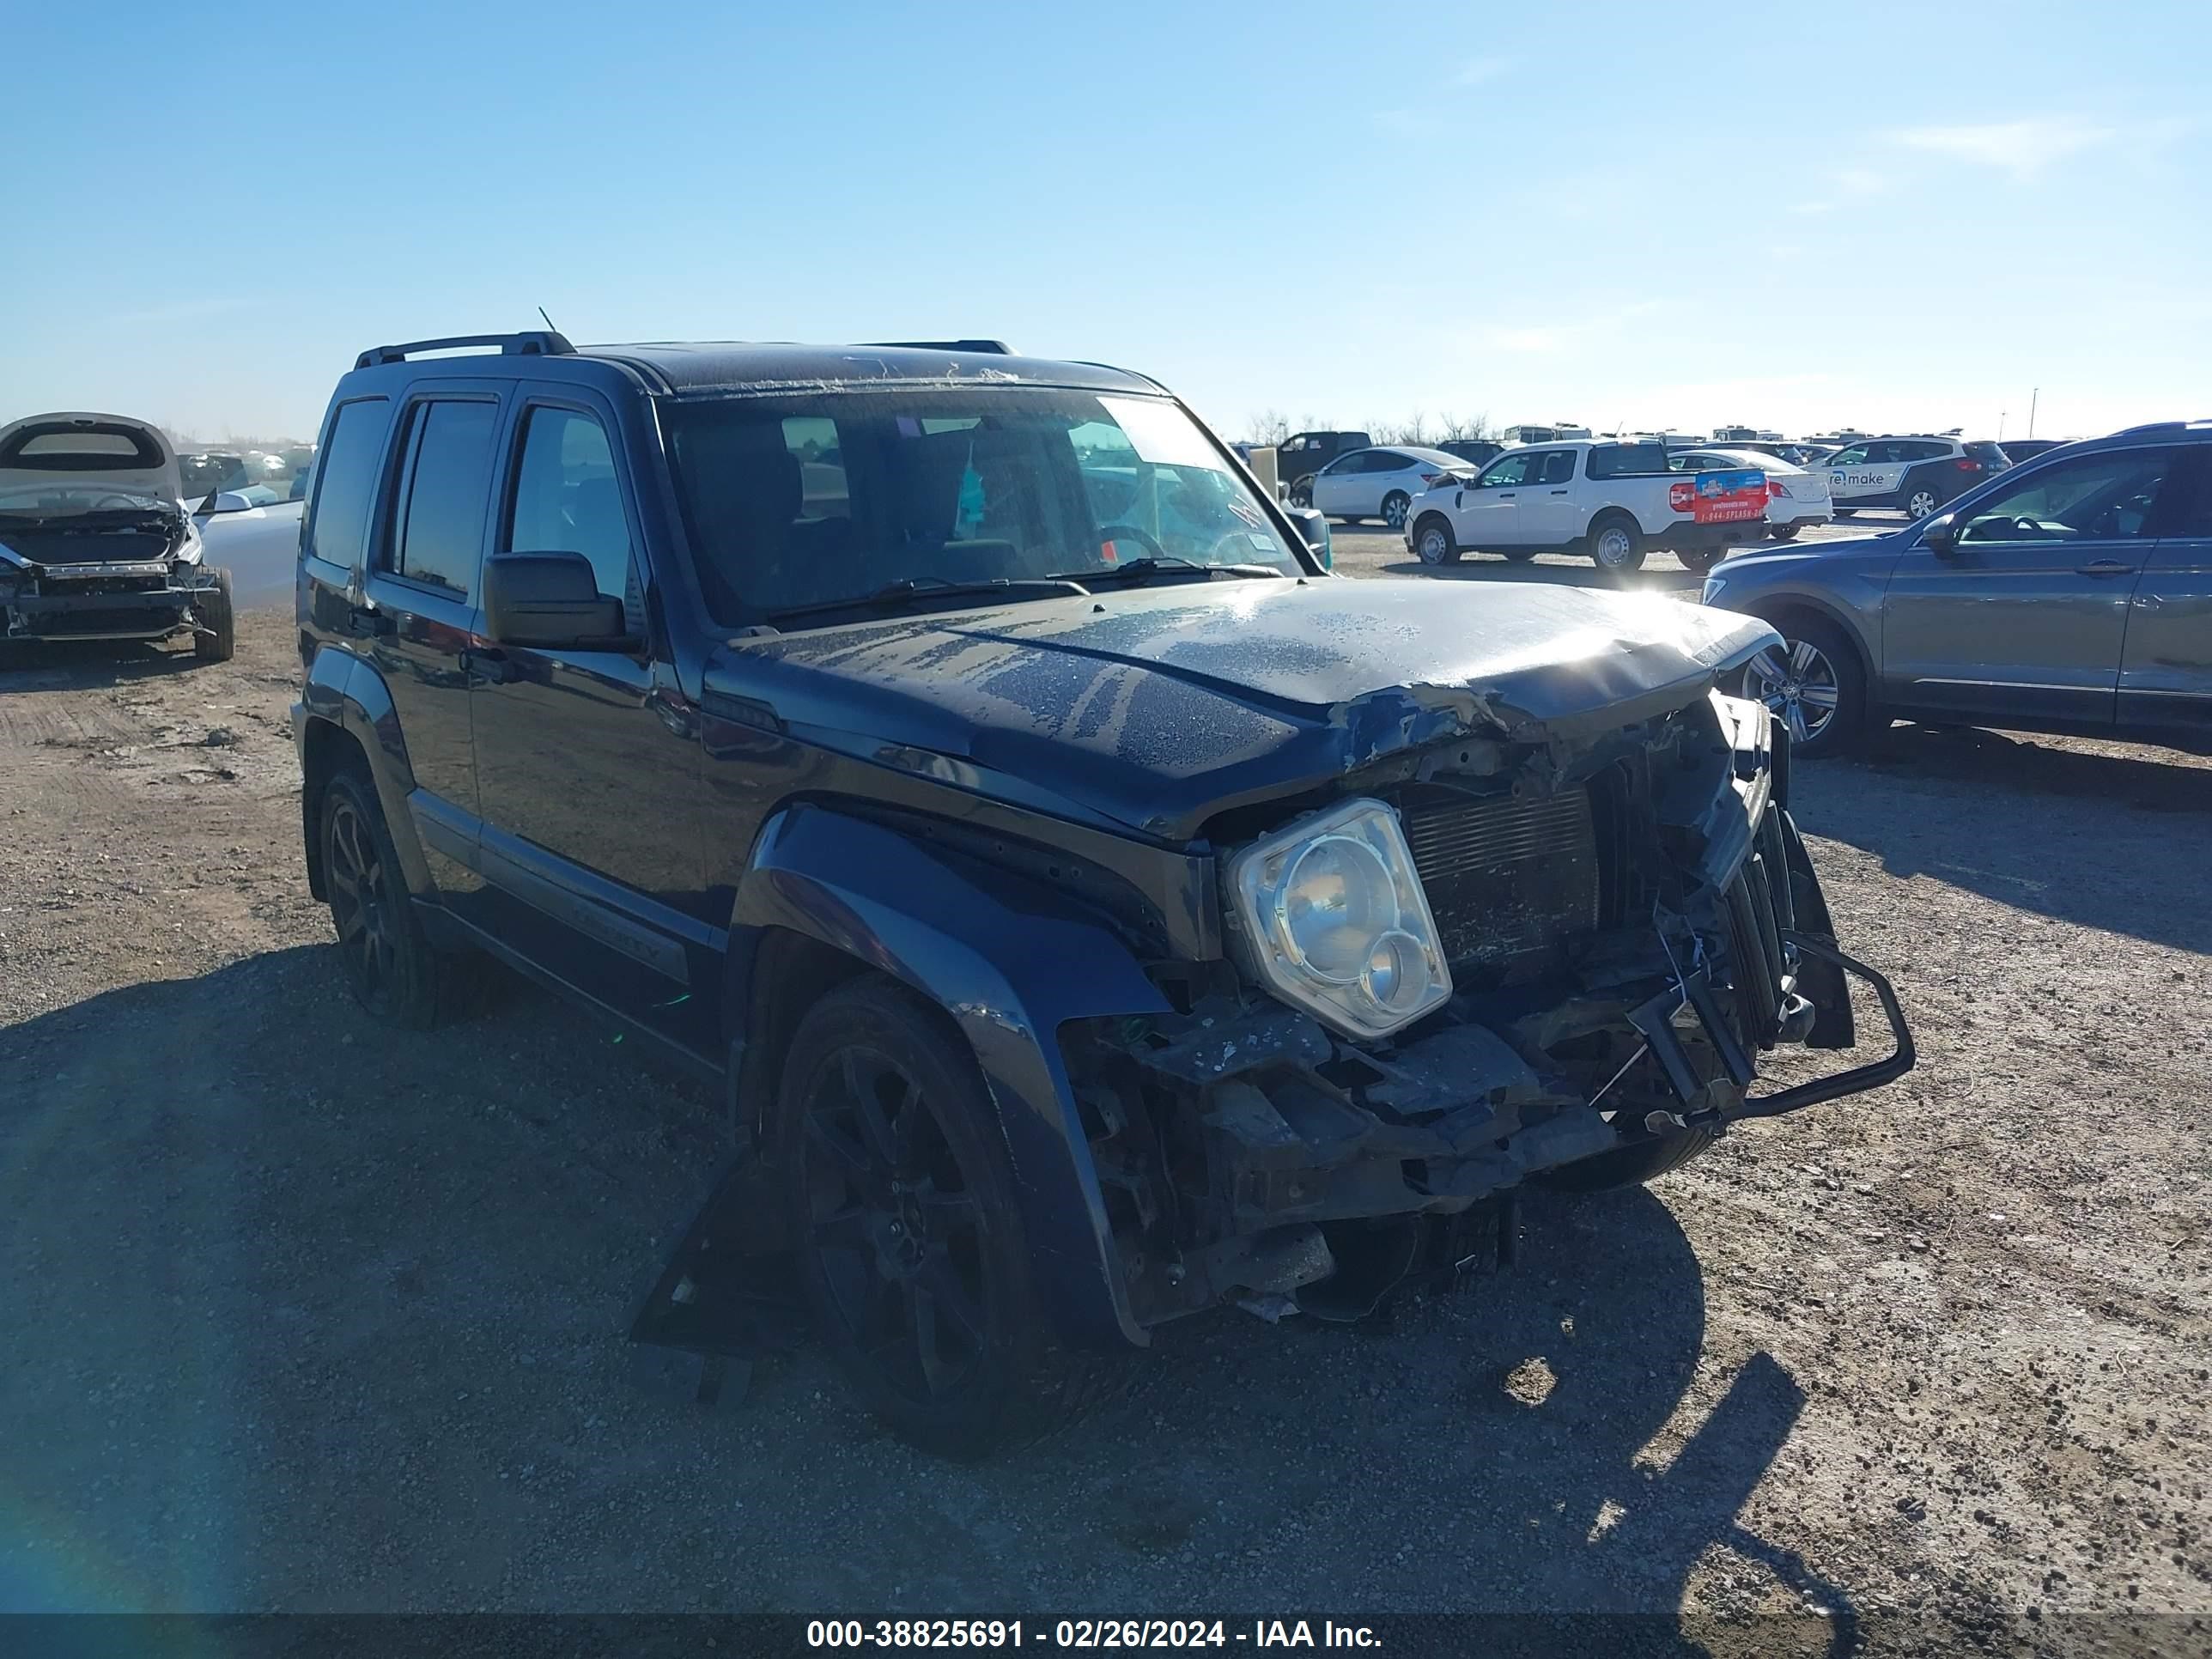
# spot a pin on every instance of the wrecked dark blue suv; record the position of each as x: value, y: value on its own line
x: 1094, y: 910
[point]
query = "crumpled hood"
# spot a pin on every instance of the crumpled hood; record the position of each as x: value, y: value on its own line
x: 1156, y: 707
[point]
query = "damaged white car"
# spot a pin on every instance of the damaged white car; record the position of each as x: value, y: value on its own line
x: 95, y: 543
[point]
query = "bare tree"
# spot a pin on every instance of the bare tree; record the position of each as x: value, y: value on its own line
x: 1270, y: 426
x: 1457, y: 428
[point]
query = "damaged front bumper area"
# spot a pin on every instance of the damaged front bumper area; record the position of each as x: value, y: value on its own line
x: 115, y: 599
x: 1246, y: 1150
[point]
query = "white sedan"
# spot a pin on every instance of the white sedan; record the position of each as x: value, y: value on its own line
x: 1797, y: 496
x: 1380, y: 483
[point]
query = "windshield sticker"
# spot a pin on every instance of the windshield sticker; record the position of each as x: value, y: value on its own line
x: 1246, y: 511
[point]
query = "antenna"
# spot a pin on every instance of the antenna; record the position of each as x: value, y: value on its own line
x: 548, y: 321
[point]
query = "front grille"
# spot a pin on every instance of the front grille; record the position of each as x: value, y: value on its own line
x: 119, y: 619
x: 1761, y: 909
x: 1509, y: 880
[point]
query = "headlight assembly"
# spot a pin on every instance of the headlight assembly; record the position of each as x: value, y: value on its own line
x: 1329, y: 915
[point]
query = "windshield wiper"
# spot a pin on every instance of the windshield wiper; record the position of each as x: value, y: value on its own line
x: 907, y: 588
x: 1152, y: 565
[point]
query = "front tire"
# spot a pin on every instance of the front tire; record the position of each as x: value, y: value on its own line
x: 1433, y: 542
x: 217, y: 615
x: 1301, y: 491
x: 1395, y: 506
x: 909, y: 1238
x: 1616, y: 545
x: 389, y: 962
x: 1814, y: 685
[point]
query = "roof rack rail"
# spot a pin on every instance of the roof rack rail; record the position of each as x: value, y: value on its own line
x: 2159, y: 426
x: 997, y: 347
x: 531, y: 343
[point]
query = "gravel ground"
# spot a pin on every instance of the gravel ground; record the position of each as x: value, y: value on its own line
x: 304, y: 1317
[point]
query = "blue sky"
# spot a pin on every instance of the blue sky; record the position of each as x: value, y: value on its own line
x: 1797, y: 216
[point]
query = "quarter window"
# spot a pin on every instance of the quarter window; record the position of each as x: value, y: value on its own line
x: 338, y: 533
x: 2105, y: 497
x: 440, y: 524
x: 568, y: 500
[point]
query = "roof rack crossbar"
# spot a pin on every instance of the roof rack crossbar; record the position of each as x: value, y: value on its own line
x: 531, y: 343
x: 996, y: 347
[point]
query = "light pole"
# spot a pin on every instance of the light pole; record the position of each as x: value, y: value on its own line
x: 2031, y: 397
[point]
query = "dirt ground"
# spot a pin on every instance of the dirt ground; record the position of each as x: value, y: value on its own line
x: 303, y: 1316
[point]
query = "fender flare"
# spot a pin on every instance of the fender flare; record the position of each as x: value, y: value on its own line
x: 341, y: 690
x: 1009, y: 963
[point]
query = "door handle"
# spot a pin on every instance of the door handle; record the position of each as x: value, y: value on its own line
x: 1559, y: 492
x: 1505, y: 495
x: 366, y: 619
x: 2102, y: 568
x: 488, y: 660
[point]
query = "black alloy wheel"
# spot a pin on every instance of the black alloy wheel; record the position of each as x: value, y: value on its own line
x: 903, y: 1205
x: 389, y: 962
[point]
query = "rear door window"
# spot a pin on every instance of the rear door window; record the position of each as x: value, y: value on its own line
x: 339, y: 531
x: 1560, y: 466
x: 438, y: 532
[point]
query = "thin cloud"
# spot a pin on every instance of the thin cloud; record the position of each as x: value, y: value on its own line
x: 1555, y: 338
x: 2023, y: 149
x: 1480, y: 71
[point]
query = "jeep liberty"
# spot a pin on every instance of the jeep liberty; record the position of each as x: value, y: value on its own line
x: 1093, y: 910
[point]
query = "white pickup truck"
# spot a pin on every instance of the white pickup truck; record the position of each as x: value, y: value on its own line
x: 1612, y: 501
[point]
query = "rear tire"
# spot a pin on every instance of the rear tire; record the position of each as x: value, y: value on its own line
x: 1616, y: 545
x: 1301, y: 491
x: 1632, y: 1165
x: 909, y: 1238
x: 1395, y: 506
x: 1433, y: 542
x: 1784, y: 532
x: 390, y: 964
x: 1846, y: 512
x: 1921, y: 503
x: 1699, y: 560
x: 217, y: 615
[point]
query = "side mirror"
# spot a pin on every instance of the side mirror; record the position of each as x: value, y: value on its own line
x: 1940, y: 535
x: 222, y: 500
x: 549, y: 599
x: 1313, y: 525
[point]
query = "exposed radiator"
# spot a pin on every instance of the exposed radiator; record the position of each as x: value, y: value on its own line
x: 1508, y: 880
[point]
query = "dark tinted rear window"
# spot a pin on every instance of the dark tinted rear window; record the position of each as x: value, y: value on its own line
x: 1627, y: 460
x: 440, y: 524
x: 64, y: 446
x: 1987, y: 453
x: 339, y: 531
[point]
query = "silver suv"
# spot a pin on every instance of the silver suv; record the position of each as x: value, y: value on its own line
x: 2068, y: 594
x: 1919, y: 474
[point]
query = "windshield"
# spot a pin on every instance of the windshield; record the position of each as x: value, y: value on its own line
x: 806, y: 501
x: 93, y: 502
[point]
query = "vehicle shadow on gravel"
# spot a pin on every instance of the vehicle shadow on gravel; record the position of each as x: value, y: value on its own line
x: 83, y: 664
x: 307, y: 1315
x: 2103, y: 839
